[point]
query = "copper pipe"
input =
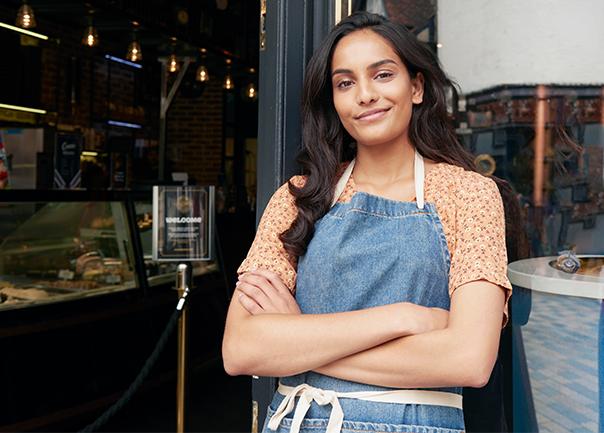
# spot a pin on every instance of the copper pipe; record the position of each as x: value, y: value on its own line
x: 539, y: 161
x: 602, y: 106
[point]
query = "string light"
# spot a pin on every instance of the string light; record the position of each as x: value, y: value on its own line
x: 25, y: 16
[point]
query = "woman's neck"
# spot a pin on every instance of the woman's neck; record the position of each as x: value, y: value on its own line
x: 384, y: 164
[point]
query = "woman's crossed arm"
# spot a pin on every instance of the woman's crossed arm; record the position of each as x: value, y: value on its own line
x: 266, y: 335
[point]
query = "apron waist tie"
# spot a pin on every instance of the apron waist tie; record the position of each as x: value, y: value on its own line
x: 309, y: 393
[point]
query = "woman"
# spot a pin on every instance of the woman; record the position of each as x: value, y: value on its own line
x: 397, y: 258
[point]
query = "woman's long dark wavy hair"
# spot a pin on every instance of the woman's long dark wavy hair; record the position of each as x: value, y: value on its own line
x: 325, y: 142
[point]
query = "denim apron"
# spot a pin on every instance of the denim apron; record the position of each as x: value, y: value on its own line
x: 369, y: 252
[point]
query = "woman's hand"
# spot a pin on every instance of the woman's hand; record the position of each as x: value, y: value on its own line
x: 262, y: 292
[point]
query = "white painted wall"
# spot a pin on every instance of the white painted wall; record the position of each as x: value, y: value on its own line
x: 491, y: 42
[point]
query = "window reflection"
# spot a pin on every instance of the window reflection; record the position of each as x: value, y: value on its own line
x: 547, y: 142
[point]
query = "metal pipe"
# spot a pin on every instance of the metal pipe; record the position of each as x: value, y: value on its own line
x: 182, y: 286
x: 164, y: 103
x: 539, y: 162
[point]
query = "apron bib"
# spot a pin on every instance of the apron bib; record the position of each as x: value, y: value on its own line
x: 369, y: 252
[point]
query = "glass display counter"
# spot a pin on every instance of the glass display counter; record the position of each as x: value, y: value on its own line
x: 64, y: 245
x: 63, y: 250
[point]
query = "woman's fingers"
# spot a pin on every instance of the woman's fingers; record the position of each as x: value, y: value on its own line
x: 274, y: 279
x: 254, y: 289
x: 249, y: 304
x: 284, y: 300
x: 267, y: 289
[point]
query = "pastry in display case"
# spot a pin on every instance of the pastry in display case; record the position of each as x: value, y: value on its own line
x: 63, y: 250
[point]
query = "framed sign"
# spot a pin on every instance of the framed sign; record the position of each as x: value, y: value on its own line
x: 67, y: 161
x: 183, y: 223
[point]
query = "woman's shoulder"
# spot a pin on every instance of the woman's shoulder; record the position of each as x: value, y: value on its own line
x: 458, y: 180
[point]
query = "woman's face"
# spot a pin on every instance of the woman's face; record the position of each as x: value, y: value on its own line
x: 372, y: 91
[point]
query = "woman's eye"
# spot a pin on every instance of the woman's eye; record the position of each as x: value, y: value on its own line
x: 384, y: 75
x: 344, y: 84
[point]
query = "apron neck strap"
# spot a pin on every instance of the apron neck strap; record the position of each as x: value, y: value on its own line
x: 418, y: 167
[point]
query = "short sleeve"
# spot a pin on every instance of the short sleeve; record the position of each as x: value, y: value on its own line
x: 479, y: 252
x: 267, y: 250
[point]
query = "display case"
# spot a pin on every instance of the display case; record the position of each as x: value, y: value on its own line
x: 64, y: 245
x: 55, y: 251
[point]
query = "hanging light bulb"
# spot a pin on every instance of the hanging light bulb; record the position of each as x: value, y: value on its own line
x: 173, y: 65
x: 202, y: 74
x: 228, y: 82
x: 25, y: 16
x: 251, y: 92
x: 134, y: 52
x: 91, y: 36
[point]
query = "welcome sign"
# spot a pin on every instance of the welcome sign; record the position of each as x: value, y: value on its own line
x: 183, y: 223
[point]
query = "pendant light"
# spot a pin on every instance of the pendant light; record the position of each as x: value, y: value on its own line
x: 228, y: 83
x: 135, y: 53
x: 173, y: 64
x: 25, y: 16
x: 202, y: 74
x: 250, y: 92
x: 91, y: 36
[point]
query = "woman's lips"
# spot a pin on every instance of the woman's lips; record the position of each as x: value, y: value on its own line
x: 373, y: 115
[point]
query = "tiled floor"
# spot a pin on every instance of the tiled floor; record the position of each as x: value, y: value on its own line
x: 560, y: 341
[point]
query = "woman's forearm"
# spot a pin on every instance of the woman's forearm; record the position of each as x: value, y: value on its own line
x: 287, y: 344
x: 463, y: 354
x: 433, y: 359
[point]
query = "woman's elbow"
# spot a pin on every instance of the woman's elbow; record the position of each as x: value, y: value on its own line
x: 234, y: 356
x: 478, y: 372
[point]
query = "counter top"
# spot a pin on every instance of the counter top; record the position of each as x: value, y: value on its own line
x: 537, y: 274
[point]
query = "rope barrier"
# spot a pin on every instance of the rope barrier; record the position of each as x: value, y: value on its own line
x: 142, y: 375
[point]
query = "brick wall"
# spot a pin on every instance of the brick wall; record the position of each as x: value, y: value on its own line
x: 195, y: 133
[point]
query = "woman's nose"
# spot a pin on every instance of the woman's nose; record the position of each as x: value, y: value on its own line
x: 366, y: 93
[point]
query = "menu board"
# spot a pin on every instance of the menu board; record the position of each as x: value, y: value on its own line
x: 183, y: 223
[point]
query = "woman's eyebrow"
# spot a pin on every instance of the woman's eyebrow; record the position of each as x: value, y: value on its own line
x: 372, y: 66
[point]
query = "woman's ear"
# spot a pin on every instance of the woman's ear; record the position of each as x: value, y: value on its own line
x: 417, y: 88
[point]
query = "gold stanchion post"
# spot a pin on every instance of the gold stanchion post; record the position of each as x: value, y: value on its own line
x: 182, y: 286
